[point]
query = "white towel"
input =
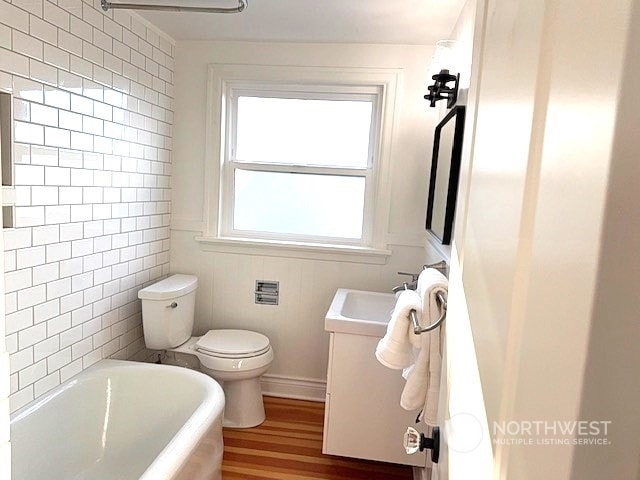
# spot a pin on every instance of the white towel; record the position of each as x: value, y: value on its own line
x: 422, y: 389
x: 395, y: 350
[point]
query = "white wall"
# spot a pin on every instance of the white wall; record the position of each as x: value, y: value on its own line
x: 93, y: 114
x: 546, y: 254
x: 586, y: 156
x: 225, y: 295
x: 461, y: 387
x: 5, y: 389
x: 490, y: 239
x: 611, y: 386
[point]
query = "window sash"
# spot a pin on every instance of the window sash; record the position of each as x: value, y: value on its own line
x: 230, y: 163
x: 364, y: 94
x: 227, y: 214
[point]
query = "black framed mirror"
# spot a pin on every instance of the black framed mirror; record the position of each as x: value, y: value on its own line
x: 445, y: 172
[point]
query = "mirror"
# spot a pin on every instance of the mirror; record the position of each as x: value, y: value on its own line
x: 445, y: 171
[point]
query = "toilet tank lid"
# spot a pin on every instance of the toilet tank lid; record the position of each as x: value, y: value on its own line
x: 171, y: 287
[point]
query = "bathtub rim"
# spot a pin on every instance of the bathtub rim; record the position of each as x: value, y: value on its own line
x: 176, y: 452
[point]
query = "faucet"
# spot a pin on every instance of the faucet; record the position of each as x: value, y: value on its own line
x: 441, y: 266
x: 407, y: 285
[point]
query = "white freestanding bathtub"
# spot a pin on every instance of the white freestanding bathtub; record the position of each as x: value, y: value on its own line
x: 119, y: 421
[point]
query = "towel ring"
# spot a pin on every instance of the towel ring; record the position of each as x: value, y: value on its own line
x: 417, y: 329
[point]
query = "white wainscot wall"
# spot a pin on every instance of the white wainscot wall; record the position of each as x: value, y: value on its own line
x: 225, y: 299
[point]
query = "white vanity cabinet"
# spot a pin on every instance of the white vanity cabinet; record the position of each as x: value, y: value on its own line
x: 363, y: 417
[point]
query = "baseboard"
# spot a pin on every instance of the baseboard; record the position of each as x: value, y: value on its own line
x: 294, y: 387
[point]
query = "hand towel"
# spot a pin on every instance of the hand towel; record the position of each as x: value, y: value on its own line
x: 422, y: 389
x: 395, y: 350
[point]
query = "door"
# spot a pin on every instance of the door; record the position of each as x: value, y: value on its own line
x: 487, y: 248
x: 541, y: 138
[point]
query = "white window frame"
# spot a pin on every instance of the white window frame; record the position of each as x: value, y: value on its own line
x: 227, y: 81
x: 315, y: 92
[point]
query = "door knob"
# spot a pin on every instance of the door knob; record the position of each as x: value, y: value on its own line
x: 415, y: 441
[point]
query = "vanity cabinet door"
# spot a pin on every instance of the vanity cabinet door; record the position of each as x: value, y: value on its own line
x: 363, y: 417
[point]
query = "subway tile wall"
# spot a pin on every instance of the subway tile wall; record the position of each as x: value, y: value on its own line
x: 93, y: 116
x: 5, y: 446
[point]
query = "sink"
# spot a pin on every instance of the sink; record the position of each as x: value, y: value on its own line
x: 359, y: 387
x: 359, y: 312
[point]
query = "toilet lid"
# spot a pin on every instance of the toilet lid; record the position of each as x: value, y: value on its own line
x: 233, y: 343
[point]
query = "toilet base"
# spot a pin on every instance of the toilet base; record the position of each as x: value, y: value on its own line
x: 244, y: 407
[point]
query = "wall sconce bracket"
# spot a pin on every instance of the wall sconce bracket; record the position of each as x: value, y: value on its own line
x: 440, y: 89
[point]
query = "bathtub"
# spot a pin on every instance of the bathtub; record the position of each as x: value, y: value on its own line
x: 122, y: 420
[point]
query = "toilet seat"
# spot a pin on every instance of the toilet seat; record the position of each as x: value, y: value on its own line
x: 232, y: 344
x: 237, y: 365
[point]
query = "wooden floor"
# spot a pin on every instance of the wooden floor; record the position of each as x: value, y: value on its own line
x: 288, y: 446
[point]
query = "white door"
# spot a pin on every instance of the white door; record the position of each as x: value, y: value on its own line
x: 539, y: 139
x: 486, y: 254
x: 465, y: 448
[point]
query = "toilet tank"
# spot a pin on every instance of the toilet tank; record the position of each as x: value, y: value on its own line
x: 168, y: 309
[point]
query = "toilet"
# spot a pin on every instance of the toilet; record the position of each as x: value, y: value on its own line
x: 236, y: 359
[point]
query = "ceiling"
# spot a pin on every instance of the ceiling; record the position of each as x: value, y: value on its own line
x: 402, y: 22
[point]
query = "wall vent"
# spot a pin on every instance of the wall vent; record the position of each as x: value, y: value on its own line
x: 267, y: 292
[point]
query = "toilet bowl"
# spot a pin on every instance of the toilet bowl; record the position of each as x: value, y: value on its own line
x: 236, y: 359
x: 237, y: 367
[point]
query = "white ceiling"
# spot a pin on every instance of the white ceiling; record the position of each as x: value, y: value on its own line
x: 411, y: 22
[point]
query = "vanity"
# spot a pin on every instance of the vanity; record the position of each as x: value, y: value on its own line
x: 363, y: 417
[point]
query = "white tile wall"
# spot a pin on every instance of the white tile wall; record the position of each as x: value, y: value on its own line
x: 5, y: 383
x: 93, y: 130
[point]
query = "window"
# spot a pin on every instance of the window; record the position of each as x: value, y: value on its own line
x: 301, y: 154
x: 299, y: 162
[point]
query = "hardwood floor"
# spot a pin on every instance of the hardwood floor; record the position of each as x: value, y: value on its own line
x: 288, y: 446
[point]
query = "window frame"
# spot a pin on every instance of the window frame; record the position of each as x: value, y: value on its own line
x: 230, y: 163
x: 222, y: 77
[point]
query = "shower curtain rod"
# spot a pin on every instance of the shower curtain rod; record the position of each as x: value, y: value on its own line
x: 106, y: 6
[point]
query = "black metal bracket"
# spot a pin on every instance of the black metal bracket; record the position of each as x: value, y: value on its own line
x: 432, y: 444
x: 441, y: 91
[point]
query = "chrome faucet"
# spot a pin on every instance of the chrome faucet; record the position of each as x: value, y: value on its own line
x: 441, y: 266
x: 407, y: 285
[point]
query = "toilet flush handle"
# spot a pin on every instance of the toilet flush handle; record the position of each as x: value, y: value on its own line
x: 173, y: 305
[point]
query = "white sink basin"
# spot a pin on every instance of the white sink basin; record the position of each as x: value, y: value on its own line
x: 360, y: 312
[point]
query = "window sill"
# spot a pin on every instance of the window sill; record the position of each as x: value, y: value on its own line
x: 312, y: 251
